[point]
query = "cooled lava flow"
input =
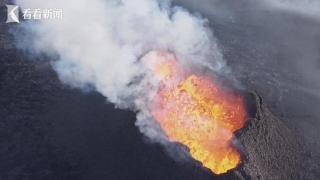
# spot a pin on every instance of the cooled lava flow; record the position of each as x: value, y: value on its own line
x: 193, y: 110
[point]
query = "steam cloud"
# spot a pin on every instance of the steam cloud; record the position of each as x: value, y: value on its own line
x: 100, y: 43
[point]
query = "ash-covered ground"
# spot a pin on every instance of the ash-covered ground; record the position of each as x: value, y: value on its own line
x: 49, y: 131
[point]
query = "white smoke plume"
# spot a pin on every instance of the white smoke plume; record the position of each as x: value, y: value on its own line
x: 100, y: 43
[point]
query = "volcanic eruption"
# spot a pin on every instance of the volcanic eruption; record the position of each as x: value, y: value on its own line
x: 193, y: 110
x: 165, y: 64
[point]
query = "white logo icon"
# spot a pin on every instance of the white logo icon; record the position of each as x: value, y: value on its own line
x: 13, y: 14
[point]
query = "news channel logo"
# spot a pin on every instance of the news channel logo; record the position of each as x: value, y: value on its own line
x: 13, y: 13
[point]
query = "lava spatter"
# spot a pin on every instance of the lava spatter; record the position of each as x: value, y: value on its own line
x: 195, y: 111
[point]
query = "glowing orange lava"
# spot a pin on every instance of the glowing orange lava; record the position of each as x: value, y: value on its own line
x: 194, y: 111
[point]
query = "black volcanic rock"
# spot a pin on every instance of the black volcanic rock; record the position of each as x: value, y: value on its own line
x: 27, y: 90
x: 272, y: 151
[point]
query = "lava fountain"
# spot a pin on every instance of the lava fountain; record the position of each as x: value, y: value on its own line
x: 194, y: 111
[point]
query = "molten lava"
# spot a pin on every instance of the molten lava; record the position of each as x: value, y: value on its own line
x: 195, y: 111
